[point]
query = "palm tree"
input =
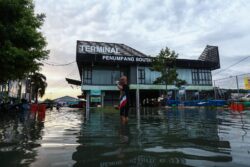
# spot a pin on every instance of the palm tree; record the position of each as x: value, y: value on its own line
x: 39, y: 85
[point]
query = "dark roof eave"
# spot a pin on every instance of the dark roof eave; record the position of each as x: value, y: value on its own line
x: 73, y: 82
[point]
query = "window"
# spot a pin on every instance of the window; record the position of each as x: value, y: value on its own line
x: 201, y: 77
x: 141, y: 75
x: 87, y: 75
x: 103, y: 75
x: 195, y: 76
x: 115, y: 76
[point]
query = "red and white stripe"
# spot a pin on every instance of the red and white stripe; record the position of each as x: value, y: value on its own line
x: 123, y: 101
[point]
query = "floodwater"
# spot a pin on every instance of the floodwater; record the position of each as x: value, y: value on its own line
x: 156, y: 137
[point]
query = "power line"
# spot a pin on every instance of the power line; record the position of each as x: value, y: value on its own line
x: 53, y: 64
x: 232, y: 65
x: 61, y: 81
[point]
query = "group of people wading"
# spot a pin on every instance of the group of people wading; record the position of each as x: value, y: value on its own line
x: 122, y: 85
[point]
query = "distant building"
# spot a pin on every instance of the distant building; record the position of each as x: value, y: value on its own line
x: 17, y: 89
x: 65, y: 100
x: 101, y: 64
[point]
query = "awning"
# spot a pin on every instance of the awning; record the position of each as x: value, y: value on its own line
x: 73, y: 81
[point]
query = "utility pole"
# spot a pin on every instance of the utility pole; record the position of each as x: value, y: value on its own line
x: 237, y: 83
x: 215, y: 97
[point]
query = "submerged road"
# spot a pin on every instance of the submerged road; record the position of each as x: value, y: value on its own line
x: 160, y: 137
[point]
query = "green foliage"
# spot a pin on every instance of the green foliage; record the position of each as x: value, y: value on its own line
x: 165, y: 63
x: 39, y: 84
x: 179, y: 83
x: 22, y: 45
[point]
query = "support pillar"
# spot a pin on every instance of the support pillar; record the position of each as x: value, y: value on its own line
x: 102, y: 98
x: 137, y: 100
x: 137, y: 93
x: 87, y: 104
x: 215, y: 97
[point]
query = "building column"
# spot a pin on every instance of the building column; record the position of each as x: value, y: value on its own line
x: 137, y: 99
x: 87, y: 104
x: 102, y: 98
x: 137, y: 93
x: 215, y: 97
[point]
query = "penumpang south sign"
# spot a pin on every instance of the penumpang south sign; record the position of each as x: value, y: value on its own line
x: 131, y: 59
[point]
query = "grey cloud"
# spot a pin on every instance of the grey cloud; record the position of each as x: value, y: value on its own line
x: 227, y: 61
x: 223, y: 35
x: 185, y: 26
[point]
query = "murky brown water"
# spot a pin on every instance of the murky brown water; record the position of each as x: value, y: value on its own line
x: 158, y: 138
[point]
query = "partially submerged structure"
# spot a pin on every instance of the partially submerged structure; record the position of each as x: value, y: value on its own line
x: 101, y: 64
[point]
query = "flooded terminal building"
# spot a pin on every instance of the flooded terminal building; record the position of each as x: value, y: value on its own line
x: 101, y: 64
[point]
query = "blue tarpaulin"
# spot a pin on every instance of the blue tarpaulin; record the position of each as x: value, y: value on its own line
x: 216, y: 103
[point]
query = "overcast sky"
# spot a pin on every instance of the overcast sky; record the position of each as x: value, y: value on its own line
x: 148, y: 25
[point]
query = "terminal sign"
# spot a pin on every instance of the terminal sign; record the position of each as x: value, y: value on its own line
x: 97, y: 49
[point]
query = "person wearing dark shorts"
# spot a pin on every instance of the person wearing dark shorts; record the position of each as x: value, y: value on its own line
x: 124, y: 98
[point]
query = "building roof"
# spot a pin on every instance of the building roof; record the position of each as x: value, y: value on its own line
x: 211, y: 54
x: 91, y: 53
x: 65, y: 99
x: 94, y: 47
x: 73, y: 81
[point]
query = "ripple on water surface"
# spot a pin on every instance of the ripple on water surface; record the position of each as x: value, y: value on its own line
x: 196, y: 137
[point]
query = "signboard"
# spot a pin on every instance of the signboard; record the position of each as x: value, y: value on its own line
x: 247, y: 83
x: 95, y: 99
x: 85, y: 48
x: 131, y: 59
x: 89, y: 51
x: 95, y: 92
x: 93, y: 47
x: 182, y: 90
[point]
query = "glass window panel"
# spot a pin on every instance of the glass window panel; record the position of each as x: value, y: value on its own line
x: 141, y: 75
x: 115, y: 76
x: 102, y: 77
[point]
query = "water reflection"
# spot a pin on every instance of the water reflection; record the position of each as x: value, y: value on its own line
x: 18, y: 138
x: 162, y: 137
x: 158, y: 137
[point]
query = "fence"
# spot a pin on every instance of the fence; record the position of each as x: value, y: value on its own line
x: 239, y: 84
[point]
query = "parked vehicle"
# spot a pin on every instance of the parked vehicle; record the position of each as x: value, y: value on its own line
x: 246, y: 98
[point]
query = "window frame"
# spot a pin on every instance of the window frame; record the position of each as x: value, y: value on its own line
x: 87, y: 79
x: 201, y: 77
x: 141, y: 75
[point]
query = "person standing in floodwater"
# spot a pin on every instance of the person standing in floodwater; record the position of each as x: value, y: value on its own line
x: 124, y: 98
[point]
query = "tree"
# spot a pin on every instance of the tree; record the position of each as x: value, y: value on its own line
x: 22, y: 45
x: 165, y: 63
x: 39, y: 85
